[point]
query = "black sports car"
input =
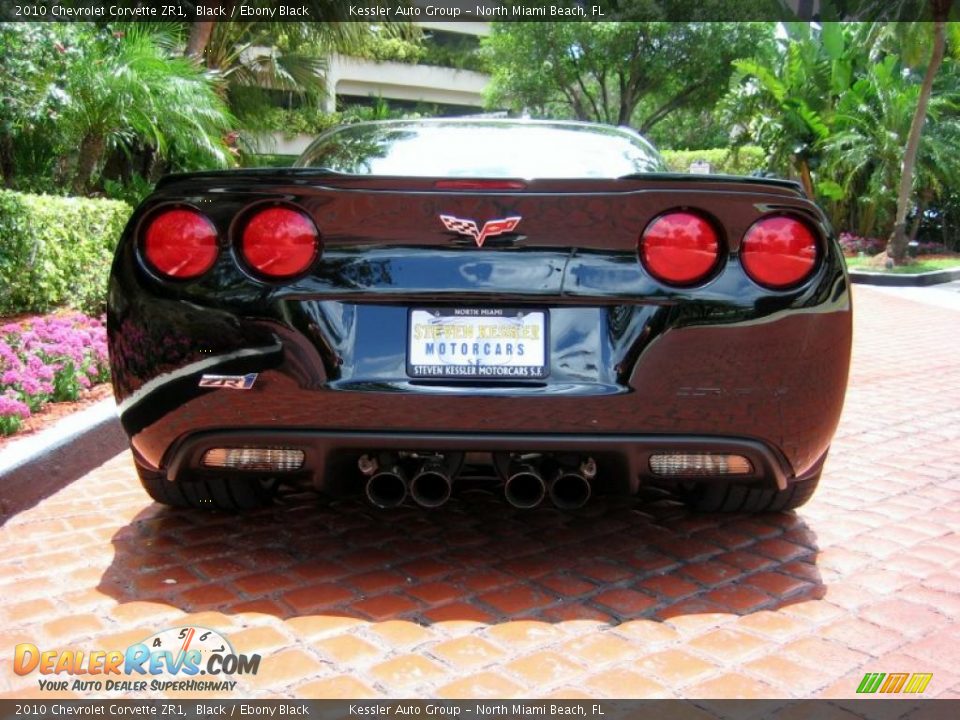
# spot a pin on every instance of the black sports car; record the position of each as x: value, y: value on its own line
x: 417, y: 300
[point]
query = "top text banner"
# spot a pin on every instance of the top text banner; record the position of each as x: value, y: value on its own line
x: 460, y: 10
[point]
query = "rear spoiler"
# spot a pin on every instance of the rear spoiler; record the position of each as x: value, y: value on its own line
x: 322, y: 176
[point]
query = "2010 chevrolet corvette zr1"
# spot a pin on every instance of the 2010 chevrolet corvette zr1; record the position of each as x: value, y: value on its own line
x: 415, y: 299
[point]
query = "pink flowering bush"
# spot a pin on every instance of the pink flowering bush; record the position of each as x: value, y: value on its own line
x: 853, y: 245
x: 48, y: 359
x: 12, y: 414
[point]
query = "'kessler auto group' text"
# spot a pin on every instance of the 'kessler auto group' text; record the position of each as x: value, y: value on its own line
x: 380, y: 12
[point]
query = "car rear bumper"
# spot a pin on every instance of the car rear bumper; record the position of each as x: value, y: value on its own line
x: 624, y: 460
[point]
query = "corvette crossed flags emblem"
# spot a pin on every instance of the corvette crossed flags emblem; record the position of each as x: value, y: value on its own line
x: 491, y: 228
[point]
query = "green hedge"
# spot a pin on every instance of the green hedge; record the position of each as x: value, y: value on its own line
x: 56, y: 251
x: 725, y: 161
x: 268, y: 160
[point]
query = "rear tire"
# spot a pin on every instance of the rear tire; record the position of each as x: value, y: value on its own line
x: 233, y: 494
x: 733, y: 498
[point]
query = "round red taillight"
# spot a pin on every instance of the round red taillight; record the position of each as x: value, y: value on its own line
x: 679, y: 248
x: 779, y: 251
x: 180, y: 243
x: 279, y: 242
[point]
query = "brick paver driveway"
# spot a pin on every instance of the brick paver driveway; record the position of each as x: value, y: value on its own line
x: 626, y: 599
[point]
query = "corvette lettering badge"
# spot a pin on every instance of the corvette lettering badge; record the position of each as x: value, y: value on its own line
x: 233, y: 382
x: 491, y: 228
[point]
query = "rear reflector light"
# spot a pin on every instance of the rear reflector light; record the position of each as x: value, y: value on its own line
x: 279, y: 242
x: 679, y: 248
x: 180, y: 243
x: 778, y: 252
x: 699, y: 464
x: 249, y: 458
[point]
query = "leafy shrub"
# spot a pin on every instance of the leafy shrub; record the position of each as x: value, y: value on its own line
x: 132, y: 191
x: 724, y: 161
x: 853, y: 245
x: 37, y: 58
x: 391, y: 50
x: 48, y: 359
x: 461, y: 52
x: 307, y: 120
x: 931, y: 248
x: 312, y: 120
x: 268, y: 160
x: 449, y: 50
x: 81, y: 100
x: 56, y: 251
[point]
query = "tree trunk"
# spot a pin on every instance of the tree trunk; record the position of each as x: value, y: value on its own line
x: 675, y: 103
x: 91, y: 151
x: 7, y: 165
x: 63, y: 169
x: 116, y: 166
x: 897, y: 244
x: 805, y: 177
x: 147, y: 161
x: 925, y: 198
x: 200, y: 33
x: 157, y: 169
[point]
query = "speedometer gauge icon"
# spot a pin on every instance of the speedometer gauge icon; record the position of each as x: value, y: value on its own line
x: 201, y: 642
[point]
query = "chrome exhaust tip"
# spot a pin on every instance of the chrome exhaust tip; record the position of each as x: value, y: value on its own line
x: 570, y: 491
x: 431, y: 487
x: 387, y: 488
x: 525, y: 487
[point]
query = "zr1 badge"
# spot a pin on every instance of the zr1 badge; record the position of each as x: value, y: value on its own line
x: 232, y: 382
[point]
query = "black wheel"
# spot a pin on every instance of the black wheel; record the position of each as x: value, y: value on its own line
x: 723, y: 497
x: 233, y: 494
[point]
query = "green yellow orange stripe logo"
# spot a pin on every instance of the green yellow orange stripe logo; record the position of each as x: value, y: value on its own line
x: 894, y: 683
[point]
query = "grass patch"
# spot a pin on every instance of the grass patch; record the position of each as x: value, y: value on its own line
x: 920, y: 266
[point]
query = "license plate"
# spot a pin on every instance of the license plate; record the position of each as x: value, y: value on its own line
x: 477, y: 344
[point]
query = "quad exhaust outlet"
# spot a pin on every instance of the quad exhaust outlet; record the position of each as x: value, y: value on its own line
x: 387, y: 488
x: 525, y: 487
x: 570, y: 490
x: 431, y: 487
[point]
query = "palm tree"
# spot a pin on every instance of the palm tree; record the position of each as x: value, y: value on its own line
x: 257, y: 59
x: 871, y: 124
x: 897, y: 244
x: 131, y: 90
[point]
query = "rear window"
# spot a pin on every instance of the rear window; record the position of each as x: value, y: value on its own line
x: 482, y: 150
